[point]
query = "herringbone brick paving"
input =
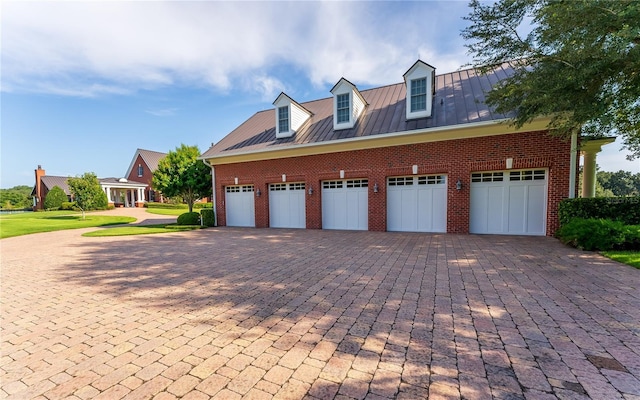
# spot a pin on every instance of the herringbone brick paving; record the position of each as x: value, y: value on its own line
x: 230, y: 313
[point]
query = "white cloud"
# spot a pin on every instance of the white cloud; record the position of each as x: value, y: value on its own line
x: 121, y: 47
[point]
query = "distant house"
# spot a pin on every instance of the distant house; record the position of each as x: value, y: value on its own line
x: 120, y: 192
x: 143, y: 164
x: 423, y: 155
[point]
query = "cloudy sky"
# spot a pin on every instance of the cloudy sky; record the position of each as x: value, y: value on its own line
x: 84, y: 84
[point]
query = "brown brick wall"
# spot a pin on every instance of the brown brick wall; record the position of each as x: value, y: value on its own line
x: 146, y: 177
x: 455, y: 158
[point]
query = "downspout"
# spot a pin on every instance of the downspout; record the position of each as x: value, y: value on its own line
x: 573, y: 166
x: 213, y: 188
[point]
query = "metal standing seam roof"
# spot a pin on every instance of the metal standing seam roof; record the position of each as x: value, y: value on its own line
x: 60, y: 181
x: 459, y: 99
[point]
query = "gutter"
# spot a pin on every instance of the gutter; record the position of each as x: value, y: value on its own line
x: 440, y: 134
x: 213, y: 191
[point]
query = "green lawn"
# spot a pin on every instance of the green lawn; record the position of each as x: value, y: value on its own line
x: 48, y: 221
x: 141, y: 230
x: 167, y: 211
x: 626, y: 257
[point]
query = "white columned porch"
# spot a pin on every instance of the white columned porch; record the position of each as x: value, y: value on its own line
x: 589, y: 150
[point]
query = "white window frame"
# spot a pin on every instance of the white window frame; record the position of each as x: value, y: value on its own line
x: 421, y: 97
x: 420, y: 70
x: 281, y: 120
x: 340, y: 108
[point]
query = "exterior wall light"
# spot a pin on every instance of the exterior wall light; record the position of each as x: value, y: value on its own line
x: 258, y: 193
x: 459, y: 185
x: 310, y: 190
x: 375, y: 187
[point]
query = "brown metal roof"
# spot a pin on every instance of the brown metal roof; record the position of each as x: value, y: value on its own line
x: 459, y: 99
x: 60, y: 181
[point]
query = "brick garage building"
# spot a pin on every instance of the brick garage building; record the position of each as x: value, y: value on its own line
x: 424, y: 155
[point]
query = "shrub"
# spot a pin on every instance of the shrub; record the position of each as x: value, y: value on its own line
x: 189, y: 218
x: 625, y: 209
x: 55, y: 198
x: 69, y: 205
x: 208, y: 217
x: 179, y: 206
x: 599, y: 234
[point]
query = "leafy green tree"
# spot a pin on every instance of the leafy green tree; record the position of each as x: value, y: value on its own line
x: 180, y: 173
x: 87, y: 192
x: 580, y: 63
x: 55, y: 198
x: 16, y: 197
x: 620, y: 183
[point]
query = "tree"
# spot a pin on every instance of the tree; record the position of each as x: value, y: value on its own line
x: 55, y: 198
x: 180, y: 173
x: 579, y: 64
x: 87, y: 192
x: 621, y: 183
x: 16, y: 197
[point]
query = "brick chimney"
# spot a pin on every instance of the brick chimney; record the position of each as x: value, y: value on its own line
x: 39, y: 200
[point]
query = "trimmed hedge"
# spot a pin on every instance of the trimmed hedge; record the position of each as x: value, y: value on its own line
x: 69, y: 205
x: 208, y: 217
x: 189, y: 218
x: 599, y: 234
x: 625, y: 209
x: 196, y: 206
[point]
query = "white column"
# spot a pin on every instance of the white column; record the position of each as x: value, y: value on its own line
x: 108, y: 190
x: 589, y: 149
x: 142, y: 195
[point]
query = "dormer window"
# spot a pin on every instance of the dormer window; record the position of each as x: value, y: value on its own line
x: 420, y: 81
x: 418, y: 95
x: 343, y: 108
x: 140, y: 170
x: 290, y: 116
x: 283, y: 119
x: 348, y: 104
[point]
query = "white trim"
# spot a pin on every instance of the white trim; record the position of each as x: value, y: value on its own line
x: 573, y: 166
x: 391, y: 136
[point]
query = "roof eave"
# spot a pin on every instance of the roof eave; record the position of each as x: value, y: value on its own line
x: 452, y: 132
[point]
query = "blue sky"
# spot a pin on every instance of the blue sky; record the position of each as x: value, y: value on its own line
x: 84, y: 84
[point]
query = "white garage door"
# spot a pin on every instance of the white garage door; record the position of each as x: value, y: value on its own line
x: 417, y: 203
x: 286, y: 205
x: 509, y: 202
x: 240, y: 207
x: 345, y: 204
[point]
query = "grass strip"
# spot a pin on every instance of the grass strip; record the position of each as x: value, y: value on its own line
x: 628, y: 257
x: 141, y: 230
x: 167, y: 211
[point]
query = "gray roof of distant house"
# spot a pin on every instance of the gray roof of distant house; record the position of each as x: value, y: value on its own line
x: 151, y: 158
x: 61, y: 181
x: 459, y: 99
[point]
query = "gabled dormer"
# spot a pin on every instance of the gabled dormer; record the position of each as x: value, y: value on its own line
x: 420, y: 80
x: 348, y: 104
x: 289, y: 116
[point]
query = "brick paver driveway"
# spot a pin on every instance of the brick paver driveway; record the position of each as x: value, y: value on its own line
x: 259, y: 313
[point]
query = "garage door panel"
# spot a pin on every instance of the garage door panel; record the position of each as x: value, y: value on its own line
x: 536, y: 200
x: 436, y: 201
x: 417, y: 203
x: 240, y: 207
x: 287, y: 205
x: 508, y: 202
x: 517, y: 213
x: 345, y: 204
